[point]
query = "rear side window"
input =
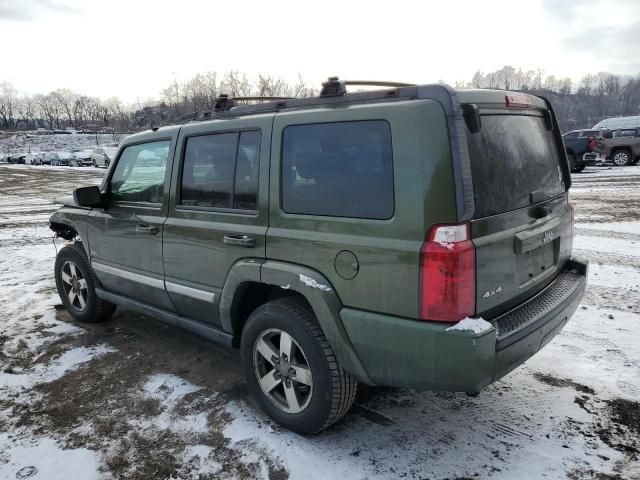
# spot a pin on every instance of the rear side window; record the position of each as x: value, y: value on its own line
x: 625, y: 133
x: 589, y: 133
x: 139, y: 173
x: 221, y: 171
x: 342, y: 169
x: 514, y: 162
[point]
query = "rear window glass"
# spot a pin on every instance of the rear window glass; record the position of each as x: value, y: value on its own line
x: 514, y: 163
x: 341, y: 169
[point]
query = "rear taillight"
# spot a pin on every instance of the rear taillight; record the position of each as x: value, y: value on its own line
x: 591, y: 144
x: 447, y: 274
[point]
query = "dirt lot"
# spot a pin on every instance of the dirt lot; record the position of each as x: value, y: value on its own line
x: 137, y: 399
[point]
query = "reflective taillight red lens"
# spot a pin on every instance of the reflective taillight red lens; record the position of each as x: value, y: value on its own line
x: 591, y: 144
x: 447, y: 274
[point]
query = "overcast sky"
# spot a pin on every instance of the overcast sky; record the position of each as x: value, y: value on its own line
x: 133, y: 48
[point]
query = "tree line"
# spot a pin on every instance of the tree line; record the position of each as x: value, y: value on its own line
x: 578, y: 105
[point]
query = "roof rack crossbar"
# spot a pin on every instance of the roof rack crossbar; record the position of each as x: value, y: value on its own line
x: 334, y: 87
x: 376, y: 83
x: 261, y: 97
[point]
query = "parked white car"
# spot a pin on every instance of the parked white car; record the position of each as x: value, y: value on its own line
x: 81, y: 158
x: 103, y: 156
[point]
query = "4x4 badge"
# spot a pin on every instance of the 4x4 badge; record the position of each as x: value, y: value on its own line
x: 491, y: 293
x: 547, y: 237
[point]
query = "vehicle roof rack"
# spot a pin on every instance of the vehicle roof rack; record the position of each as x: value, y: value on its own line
x: 334, y: 86
x: 333, y: 91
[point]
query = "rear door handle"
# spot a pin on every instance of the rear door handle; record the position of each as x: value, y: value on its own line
x: 151, y: 230
x: 240, y: 240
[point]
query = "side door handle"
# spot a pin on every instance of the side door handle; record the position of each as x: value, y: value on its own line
x: 149, y: 229
x: 240, y: 240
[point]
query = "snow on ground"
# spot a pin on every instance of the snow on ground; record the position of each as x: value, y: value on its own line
x: 136, y: 399
x: 45, y: 458
x: 23, y: 143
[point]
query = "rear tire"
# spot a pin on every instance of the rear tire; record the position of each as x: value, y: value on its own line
x: 76, y: 283
x: 621, y: 158
x: 305, y: 390
x: 579, y: 168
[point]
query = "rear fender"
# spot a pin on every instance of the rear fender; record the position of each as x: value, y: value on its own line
x: 314, y: 287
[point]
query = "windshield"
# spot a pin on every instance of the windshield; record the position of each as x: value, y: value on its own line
x: 514, y: 162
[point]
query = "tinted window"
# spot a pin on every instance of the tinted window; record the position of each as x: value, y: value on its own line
x: 221, y: 171
x: 338, y: 169
x: 247, y: 168
x: 514, y: 160
x: 625, y: 133
x: 590, y: 133
x: 571, y: 135
x: 139, y: 173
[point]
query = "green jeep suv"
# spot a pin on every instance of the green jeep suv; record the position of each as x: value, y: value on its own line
x: 413, y: 236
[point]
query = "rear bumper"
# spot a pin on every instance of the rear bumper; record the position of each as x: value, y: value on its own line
x: 400, y: 352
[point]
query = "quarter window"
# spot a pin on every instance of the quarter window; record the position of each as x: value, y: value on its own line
x: 140, y: 172
x: 341, y: 169
x: 221, y: 171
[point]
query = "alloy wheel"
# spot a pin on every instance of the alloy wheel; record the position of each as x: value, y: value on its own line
x: 282, y: 371
x: 74, y: 285
x: 621, y: 158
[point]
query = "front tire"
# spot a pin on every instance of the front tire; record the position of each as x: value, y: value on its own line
x: 76, y: 283
x: 292, y: 370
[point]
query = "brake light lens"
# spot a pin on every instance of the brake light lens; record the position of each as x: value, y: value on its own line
x: 518, y: 100
x: 448, y: 274
x: 591, y: 144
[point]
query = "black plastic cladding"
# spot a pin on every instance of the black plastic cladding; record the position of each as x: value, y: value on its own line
x: 443, y: 94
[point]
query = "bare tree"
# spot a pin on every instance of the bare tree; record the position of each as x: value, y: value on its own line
x: 8, y: 100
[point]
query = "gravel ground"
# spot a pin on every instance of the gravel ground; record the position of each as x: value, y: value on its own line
x: 138, y: 399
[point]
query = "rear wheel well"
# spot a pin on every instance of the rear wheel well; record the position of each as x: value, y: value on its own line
x: 251, y: 295
x: 64, y: 231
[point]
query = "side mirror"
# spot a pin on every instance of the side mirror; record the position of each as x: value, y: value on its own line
x: 88, y: 197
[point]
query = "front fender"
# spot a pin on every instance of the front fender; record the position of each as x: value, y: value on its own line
x: 313, y: 286
x: 74, y: 218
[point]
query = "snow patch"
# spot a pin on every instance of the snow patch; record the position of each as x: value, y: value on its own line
x: 170, y: 390
x: 51, y: 461
x: 310, y: 282
x: 201, y: 459
x: 68, y: 361
x: 475, y: 325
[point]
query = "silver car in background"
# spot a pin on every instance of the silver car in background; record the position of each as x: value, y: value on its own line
x: 103, y: 156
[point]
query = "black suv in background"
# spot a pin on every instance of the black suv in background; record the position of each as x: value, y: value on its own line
x: 580, y: 146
